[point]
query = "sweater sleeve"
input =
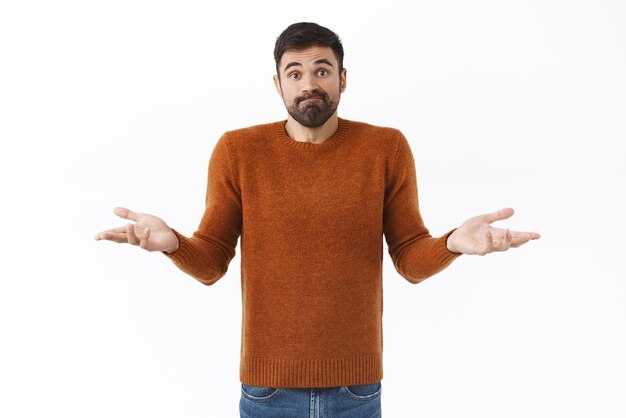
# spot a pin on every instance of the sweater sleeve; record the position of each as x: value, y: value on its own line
x: 416, y: 255
x: 206, y: 255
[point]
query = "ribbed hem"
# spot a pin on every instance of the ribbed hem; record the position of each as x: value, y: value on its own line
x: 336, y: 138
x: 357, y: 370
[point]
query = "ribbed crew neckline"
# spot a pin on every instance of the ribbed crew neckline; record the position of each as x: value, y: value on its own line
x: 336, y: 138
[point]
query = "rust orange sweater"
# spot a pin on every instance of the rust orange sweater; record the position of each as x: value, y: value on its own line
x: 311, y: 219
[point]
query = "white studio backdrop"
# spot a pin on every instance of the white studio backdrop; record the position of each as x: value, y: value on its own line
x: 120, y: 103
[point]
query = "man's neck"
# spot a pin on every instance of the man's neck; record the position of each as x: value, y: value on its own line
x: 301, y: 133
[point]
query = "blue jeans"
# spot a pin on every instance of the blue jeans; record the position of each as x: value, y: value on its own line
x: 361, y: 401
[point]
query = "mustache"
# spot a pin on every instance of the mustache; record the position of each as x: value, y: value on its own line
x: 314, y: 94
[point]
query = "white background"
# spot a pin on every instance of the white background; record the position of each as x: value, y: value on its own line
x: 505, y: 103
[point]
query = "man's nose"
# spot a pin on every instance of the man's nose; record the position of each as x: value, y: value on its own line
x: 309, y: 83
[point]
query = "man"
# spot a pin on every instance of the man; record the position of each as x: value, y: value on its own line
x: 311, y: 198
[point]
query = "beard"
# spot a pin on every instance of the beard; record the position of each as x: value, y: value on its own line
x: 313, y: 114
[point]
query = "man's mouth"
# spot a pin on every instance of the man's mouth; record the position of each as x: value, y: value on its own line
x: 312, y: 99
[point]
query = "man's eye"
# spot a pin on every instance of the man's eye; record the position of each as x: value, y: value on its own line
x: 295, y: 76
x: 322, y: 73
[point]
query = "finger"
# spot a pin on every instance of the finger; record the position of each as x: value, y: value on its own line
x: 507, y: 240
x: 500, y: 215
x: 120, y: 238
x: 130, y: 233
x: 145, y: 237
x: 125, y: 213
x: 500, y: 239
x: 488, y: 247
x: 121, y: 229
x: 528, y: 235
x: 520, y: 238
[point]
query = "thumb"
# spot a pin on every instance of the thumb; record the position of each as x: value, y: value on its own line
x: 499, y: 215
x: 125, y: 213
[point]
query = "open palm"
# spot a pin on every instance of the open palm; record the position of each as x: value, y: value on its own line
x: 477, y: 236
x: 148, y: 232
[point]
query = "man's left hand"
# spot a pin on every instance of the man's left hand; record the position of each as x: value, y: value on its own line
x: 477, y: 236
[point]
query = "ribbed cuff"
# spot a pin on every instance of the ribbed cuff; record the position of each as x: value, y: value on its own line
x: 182, y: 255
x: 198, y: 264
x: 444, y: 255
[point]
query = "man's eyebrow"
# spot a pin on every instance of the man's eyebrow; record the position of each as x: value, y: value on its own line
x: 291, y: 64
x: 320, y: 61
x: 324, y: 61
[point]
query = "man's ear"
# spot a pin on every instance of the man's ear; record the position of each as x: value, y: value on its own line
x: 344, y: 74
x: 277, y: 84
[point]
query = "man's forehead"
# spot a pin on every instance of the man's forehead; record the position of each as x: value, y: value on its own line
x: 309, y: 56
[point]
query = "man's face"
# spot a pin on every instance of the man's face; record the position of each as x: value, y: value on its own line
x: 310, y: 84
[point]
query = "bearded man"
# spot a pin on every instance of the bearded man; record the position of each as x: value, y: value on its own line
x: 311, y: 198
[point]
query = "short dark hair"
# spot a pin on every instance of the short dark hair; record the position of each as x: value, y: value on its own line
x: 303, y: 35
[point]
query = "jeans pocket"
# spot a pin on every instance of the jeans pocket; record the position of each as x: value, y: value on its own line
x: 363, y: 392
x: 258, y: 393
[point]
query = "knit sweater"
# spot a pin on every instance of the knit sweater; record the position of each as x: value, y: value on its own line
x: 311, y: 219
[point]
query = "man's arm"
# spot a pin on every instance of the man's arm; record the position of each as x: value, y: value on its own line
x: 416, y: 255
x: 207, y: 253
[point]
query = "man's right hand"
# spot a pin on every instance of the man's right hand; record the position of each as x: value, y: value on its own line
x: 149, y: 232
